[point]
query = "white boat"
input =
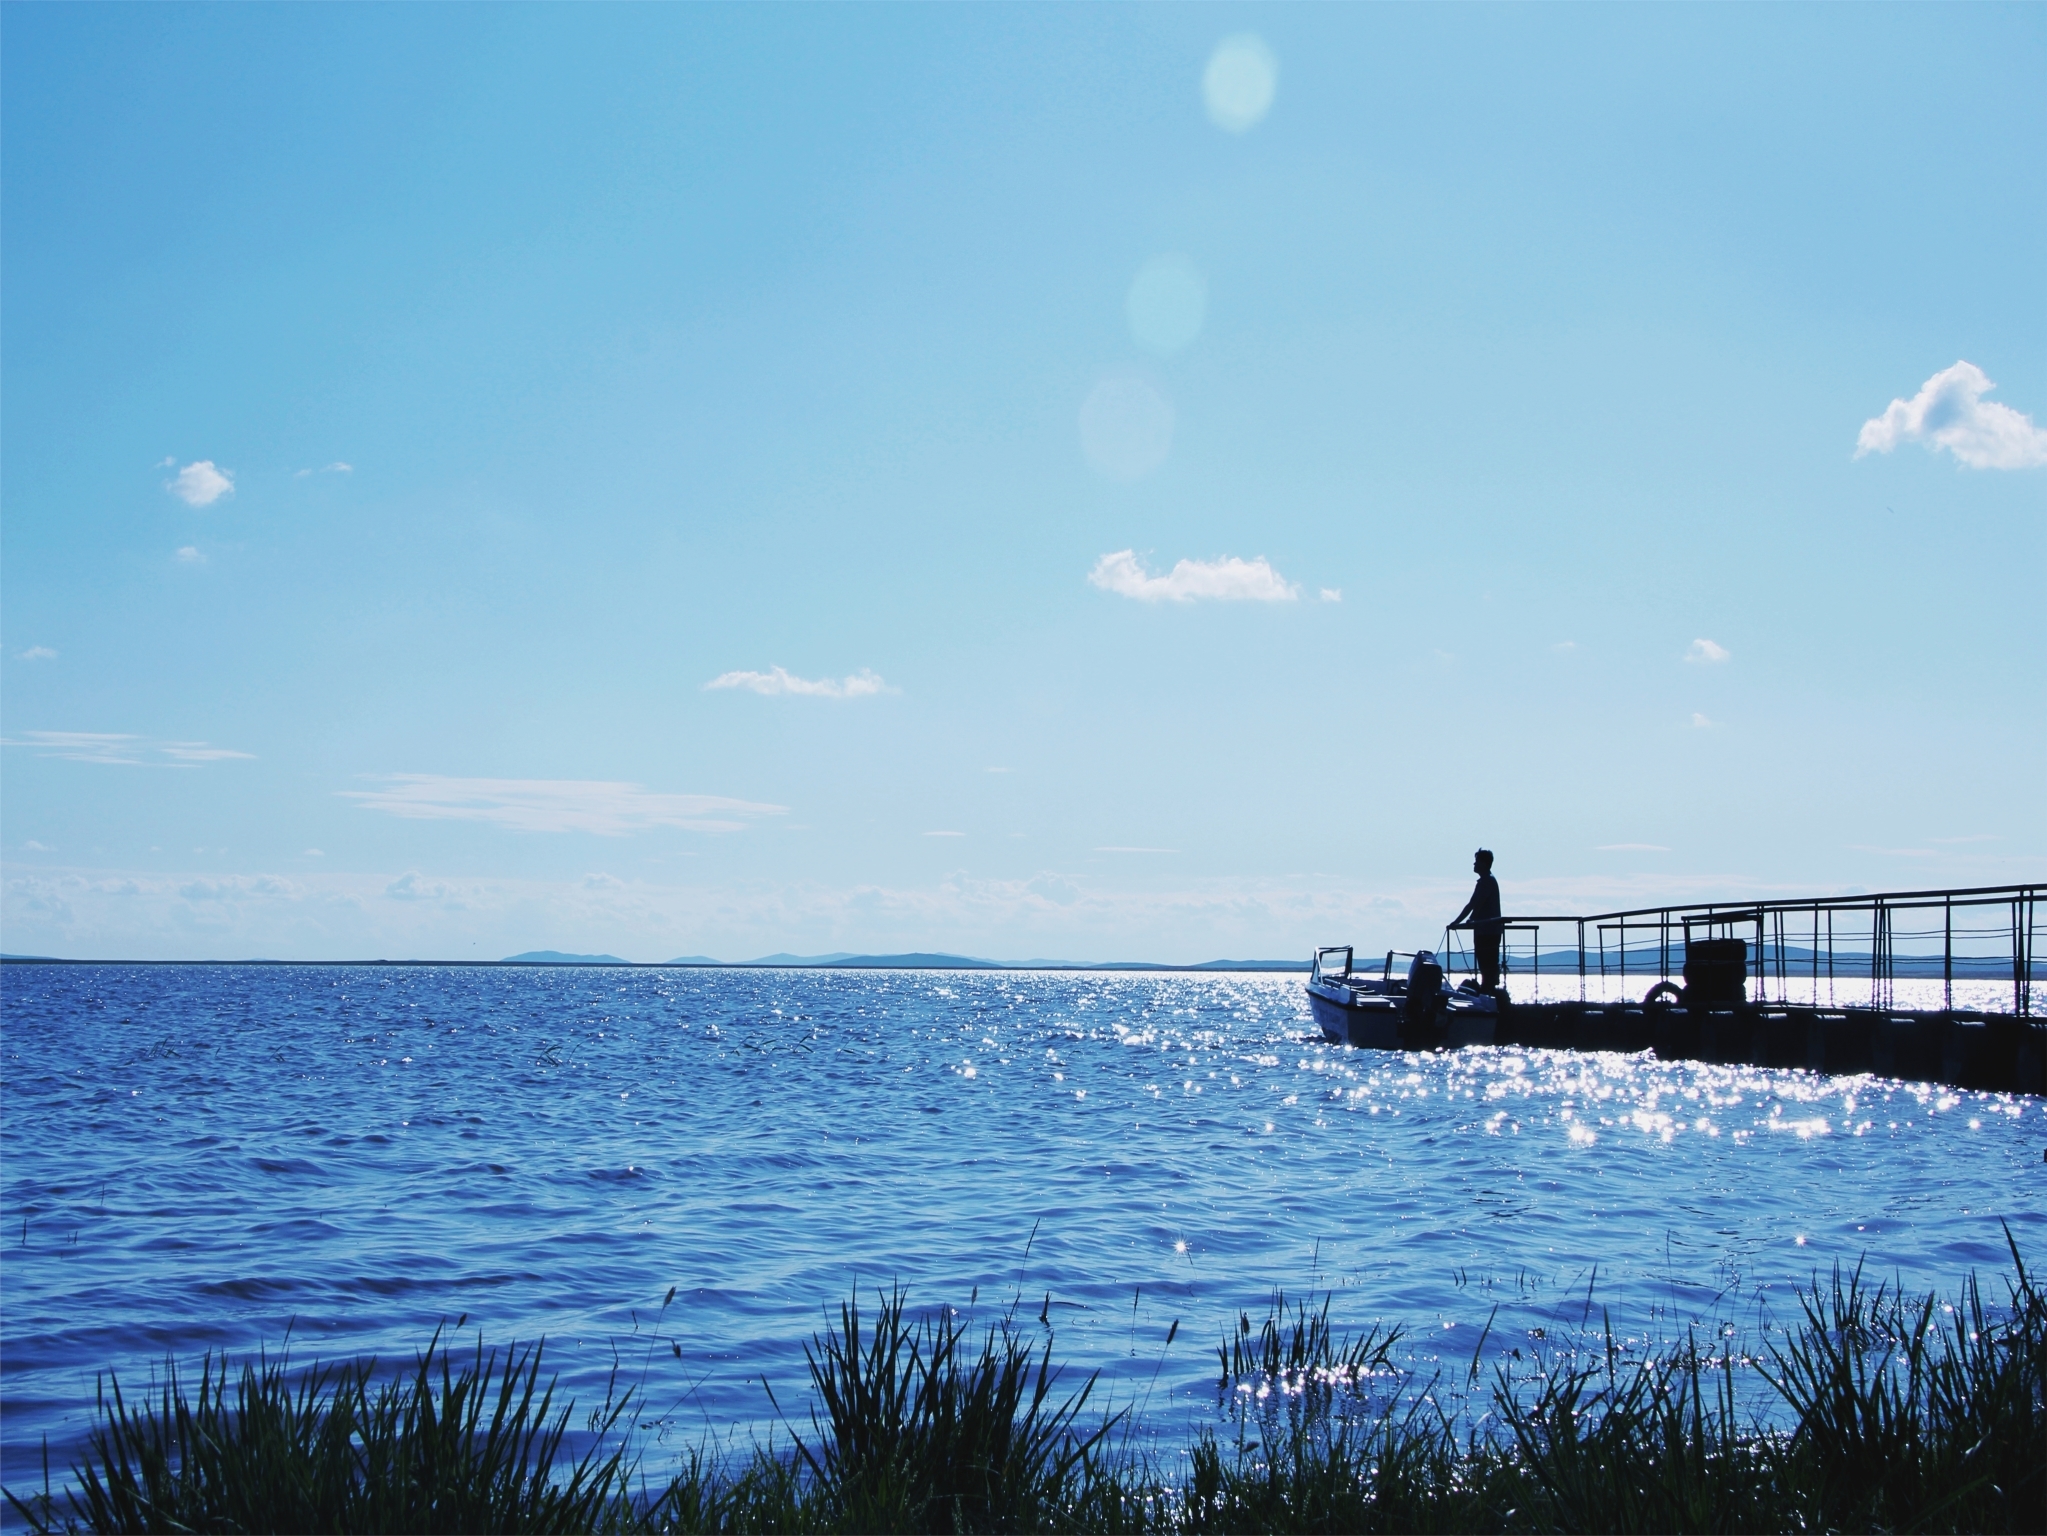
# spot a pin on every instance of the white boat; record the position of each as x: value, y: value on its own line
x: 1417, y: 1010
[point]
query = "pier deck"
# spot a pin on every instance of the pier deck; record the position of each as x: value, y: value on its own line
x: 1934, y: 986
x: 1962, y: 1048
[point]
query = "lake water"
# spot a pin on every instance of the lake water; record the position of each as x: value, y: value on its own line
x: 196, y: 1157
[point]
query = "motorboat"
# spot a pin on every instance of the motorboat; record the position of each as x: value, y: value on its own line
x: 1409, y: 1007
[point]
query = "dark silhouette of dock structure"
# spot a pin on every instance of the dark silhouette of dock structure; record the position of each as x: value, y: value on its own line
x: 1813, y: 982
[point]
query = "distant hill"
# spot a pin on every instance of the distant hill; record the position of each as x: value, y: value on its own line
x: 788, y: 959
x: 693, y: 960
x: 916, y: 962
x: 556, y: 957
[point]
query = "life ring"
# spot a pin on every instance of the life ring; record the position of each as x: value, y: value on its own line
x: 1665, y: 994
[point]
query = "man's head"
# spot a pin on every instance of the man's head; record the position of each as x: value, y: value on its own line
x: 1482, y: 861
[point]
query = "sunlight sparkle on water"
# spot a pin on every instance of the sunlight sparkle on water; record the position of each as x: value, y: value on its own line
x: 368, y: 1152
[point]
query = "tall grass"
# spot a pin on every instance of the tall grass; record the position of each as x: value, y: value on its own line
x: 1895, y: 1415
x: 446, y: 1447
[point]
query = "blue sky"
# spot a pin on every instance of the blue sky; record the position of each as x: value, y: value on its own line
x: 1151, y: 482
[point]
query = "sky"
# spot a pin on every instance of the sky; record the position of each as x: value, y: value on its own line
x: 1072, y: 482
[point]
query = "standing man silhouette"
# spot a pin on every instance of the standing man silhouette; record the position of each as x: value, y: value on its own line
x: 1481, y: 915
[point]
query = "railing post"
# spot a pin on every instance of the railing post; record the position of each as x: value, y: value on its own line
x: 1947, y: 954
x: 1815, y: 954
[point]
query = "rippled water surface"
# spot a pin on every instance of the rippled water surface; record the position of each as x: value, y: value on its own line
x: 197, y: 1157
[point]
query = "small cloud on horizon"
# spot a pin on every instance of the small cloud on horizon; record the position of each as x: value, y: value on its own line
x: 1974, y: 837
x: 1949, y: 412
x: 35, y: 847
x: 411, y: 886
x: 1565, y: 645
x: 336, y: 468
x: 1120, y: 848
x: 1708, y: 652
x: 1700, y: 722
x: 36, y: 653
x: 777, y: 680
x: 945, y: 834
x: 1229, y: 579
x: 312, y: 853
x: 606, y: 808
x: 1332, y: 594
x: 188, y: 554
x: 201, y: 483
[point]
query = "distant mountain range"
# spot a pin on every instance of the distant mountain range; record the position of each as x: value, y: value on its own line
x: 556, y: 957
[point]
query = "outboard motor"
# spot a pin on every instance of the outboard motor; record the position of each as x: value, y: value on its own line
x: 1424, y: 991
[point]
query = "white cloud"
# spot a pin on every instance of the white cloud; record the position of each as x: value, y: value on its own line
x: 314, y: 853
x: 411, y: 887
x: 554, y: 805
x: 1239, y: 82
x: 36, y: 653
x: 1631, y: 848
x: 82, y: 746
x: 188, y: 554
x: 1119, y: 848
x: 1332, y: 594
x: 1565, y: 645
x: 1700, y: 722
x: 336, y: 468
x: 1950, y: 412
x: 35, y: 847
x: 945, y: 834
x: 121, y: 748
x: 1227, y: 579
x: 1706, y: 651
x: 199, y: 752
x: 201, y: 484
x: 775, y: 680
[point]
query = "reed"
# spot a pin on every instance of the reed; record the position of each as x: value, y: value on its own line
x: 1896, y: 1414
x: 919, y: 1435
x: 467, y: 1446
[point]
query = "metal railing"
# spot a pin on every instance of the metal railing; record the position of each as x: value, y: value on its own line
x: 1981, y: 934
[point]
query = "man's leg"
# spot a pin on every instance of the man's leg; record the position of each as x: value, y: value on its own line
x: 1488, y: 959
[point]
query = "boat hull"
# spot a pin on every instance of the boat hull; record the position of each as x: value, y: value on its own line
x: 1378, y: 1022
